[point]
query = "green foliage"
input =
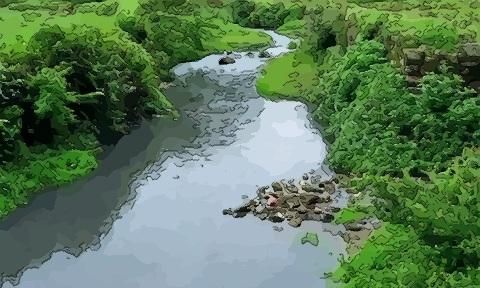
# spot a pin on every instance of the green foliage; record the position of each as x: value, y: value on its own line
x: 381, y: 128
x: 53, y: 99
x: 258, y: 15
x: 443, y: 210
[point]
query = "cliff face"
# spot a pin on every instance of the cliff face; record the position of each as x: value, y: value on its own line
x: 416, y: 62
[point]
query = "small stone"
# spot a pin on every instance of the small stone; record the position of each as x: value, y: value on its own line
x: 250, y: 55
x: 244, y: 197
x: 305, y: 176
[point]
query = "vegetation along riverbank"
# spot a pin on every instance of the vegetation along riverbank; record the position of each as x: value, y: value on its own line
x: 76, y: 75
x: 393, y: 83
x: 395, y: 86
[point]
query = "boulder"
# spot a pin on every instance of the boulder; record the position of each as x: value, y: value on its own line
x: 277, y: 217
x: 277, y: 186
x: 309, y: 199
x: 305, y: 176
x: 226, y: 60
x: 353, y: 227
x: 227, y: 211
x: 312, y: 188
x: 245, y: 207
x: 330, y: 187
x: 264, y: 54
x: 295, y: 222
x: 312, y: 216
x: 292, y: 202
x: 259, y: 209
x: 327, y: 217
x: 291, y: 189
x: 469, y: 52
x: 412, y: 70
x: 413, y: 57
x: 250, y: 54
x: 301, y: 209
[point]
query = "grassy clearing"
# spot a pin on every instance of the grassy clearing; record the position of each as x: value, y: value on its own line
x: 291, y: 76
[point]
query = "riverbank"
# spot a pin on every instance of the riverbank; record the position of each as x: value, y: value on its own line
x: 54, y: 138
x: 400, y: 141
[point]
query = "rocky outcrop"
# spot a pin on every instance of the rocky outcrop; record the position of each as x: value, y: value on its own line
x: 294, y: 203
x: 416, y: 62
x: 226, y: 60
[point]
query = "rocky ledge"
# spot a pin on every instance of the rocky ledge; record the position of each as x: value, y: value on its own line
x: 307, y: 199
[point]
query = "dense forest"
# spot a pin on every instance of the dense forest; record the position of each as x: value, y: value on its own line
x: 394, y: 84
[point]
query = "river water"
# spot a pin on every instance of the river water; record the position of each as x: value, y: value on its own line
x: 150, y: 216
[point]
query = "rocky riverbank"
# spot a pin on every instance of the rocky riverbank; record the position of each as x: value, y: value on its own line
x: 310, y: 198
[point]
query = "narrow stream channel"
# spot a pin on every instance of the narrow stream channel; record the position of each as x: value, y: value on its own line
x: 150, y: 216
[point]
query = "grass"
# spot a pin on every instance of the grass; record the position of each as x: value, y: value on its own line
x: 219, y: 36
x: 291, y: 76
x: 223, y: 36
x: 348, y: 215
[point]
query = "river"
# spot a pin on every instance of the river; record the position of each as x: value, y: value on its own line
x: 151, y: 214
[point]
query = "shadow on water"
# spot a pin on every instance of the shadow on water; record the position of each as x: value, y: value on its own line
x: 73, y: 218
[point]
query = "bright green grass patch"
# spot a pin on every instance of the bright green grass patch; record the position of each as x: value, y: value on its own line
x: 18, y: 181
x: 222, y: 36
x: 17, y: 27
x: 291, y: 76
x: 348, y: 215
x: 294, y: 28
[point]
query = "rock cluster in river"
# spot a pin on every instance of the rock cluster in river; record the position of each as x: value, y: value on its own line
x: 295, y: 203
